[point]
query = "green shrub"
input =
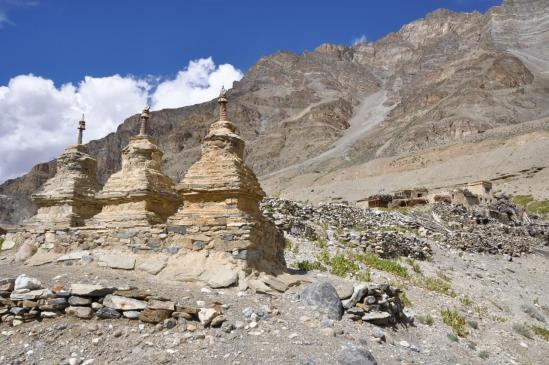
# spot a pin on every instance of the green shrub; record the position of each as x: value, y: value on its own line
x: 436, y: 285
x: 455, y: 320
x: 404, y: 299
x: 287, y: 244
x: 452, y: 337
x: 310, y: 265
x: 466, y: 301
x: 342, y: 266
x: 522, y: 329
x: 484, y: 355
x: 364, y: 276
x: 541, y: 331
x: 533, y: 312
x: 322, y: 243
x: 473, y: 324
x: 414, y: 264
x: 1, y: 243
x: 387, y: 265
x: 425, y: 319
x: 523, y: 200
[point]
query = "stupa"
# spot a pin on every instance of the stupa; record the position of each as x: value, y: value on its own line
x: 68, y: 198
x: 221, y: 198
x: 139, y: 194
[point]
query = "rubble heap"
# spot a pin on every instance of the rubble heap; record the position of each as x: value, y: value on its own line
x: 221, y: 203
x: 388, y: 234
x: 68, y: 198
x: 501, y: 228
x: 139, y: 194
x: 25, y: 299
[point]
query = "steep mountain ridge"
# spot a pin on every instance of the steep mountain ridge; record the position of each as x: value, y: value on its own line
x: 446, y: 80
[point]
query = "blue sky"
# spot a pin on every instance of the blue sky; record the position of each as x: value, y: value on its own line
x: 107, y: 59
x: 65, y: 40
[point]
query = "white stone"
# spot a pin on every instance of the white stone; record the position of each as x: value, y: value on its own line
x: 152, y: 265
x: 76, y: 255
x: 123, y: 303
x: 222, y: 278
x: 26, y: 282
x: 205, y: 315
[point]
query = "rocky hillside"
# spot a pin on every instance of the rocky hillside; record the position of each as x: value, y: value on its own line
x: 450, y: 79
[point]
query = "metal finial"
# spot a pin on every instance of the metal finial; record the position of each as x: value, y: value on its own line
x: 222, y: 101
x: 144, y: 118
x: 81, y: 128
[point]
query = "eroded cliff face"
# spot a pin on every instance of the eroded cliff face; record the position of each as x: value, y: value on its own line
x: 444, y: 79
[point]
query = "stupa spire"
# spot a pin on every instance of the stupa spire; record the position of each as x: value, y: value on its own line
x: 222, y: 101
x: 81, y: 129
x: 144, y: 119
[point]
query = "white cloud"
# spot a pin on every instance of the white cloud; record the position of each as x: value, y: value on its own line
x: 359, y: 40
x: 199, y: 82
x: 38, y: 119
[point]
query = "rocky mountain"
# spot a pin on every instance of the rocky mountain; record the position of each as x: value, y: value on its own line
x: 449, y: 98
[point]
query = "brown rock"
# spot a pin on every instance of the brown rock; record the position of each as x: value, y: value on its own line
x: 154, y: 316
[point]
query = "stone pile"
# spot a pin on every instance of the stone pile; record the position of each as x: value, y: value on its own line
x: 378, y: 304
x: 475, y: 230
x: 388, y: 234
x: 24, y: 299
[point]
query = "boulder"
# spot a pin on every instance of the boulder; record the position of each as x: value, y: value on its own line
x: 25, y: 251
x: 152, y: 265
x: 222, y: 278
x: 323, y: 297
x: 355, y: 355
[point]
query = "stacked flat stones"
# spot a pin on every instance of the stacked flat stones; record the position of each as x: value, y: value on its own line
x: 25, y: 299
x: 139, y: 194
x: 221, y: 198
x: 68, y: 198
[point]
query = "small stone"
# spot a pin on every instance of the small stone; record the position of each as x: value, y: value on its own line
x: 328, y: 332
x: 218, y: 321
x: 153, y: 265
x: 226, y: 327
x: 169, y: 323
x: 404, y: 344
x: 46, y: 314
x: 25, y: 251
x: 107, y: 313
x: 131, y: 314
x: 378, y: 318
x: 7, y: 284
x: 96, y: 305
x: 25, y: 282
x: 153, y: 316
x: 275, y: 284
x: 206, y: 315
x: 344, y: 289
x: 80, y: 312
x: 79, y: 301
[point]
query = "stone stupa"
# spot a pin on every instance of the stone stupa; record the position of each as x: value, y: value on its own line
x: 221, y: 195
x: 68, y: 198
x: 139, y: 194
